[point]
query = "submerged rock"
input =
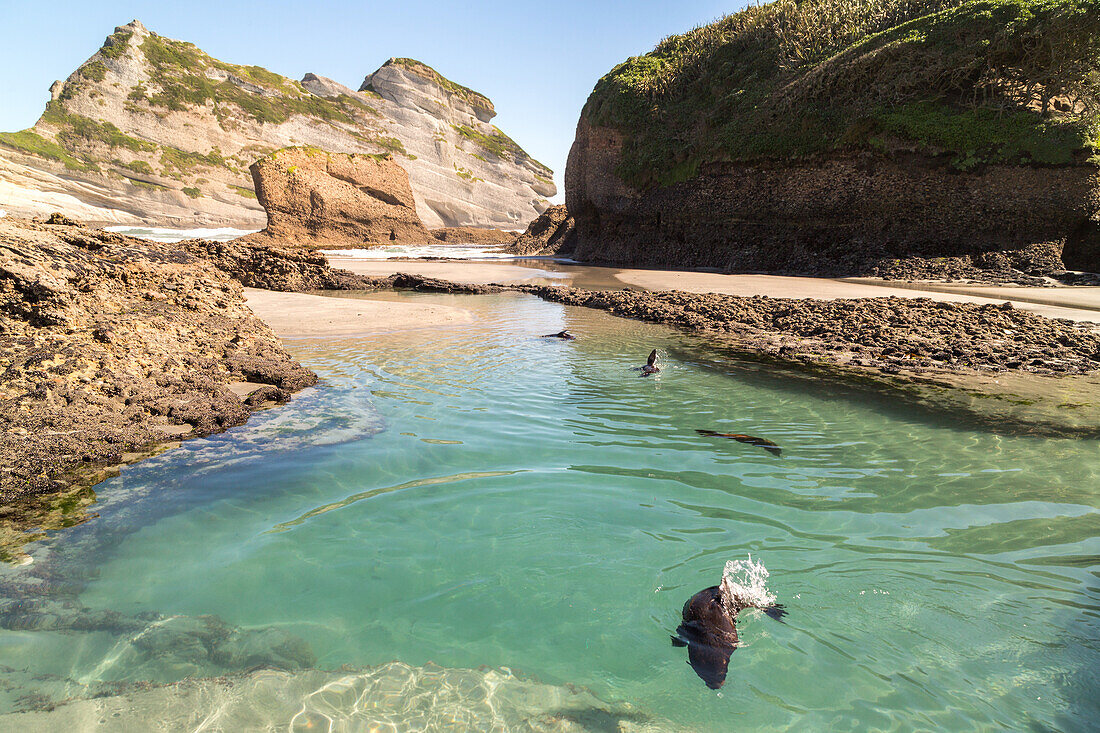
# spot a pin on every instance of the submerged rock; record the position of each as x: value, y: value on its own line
x: 390, y: 697
x: 316, y: 198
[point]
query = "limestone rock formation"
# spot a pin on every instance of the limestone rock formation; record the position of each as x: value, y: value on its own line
x: 316, y: 198
x: 155, y: 131
x: 860, y: 139
x: 552, y: 233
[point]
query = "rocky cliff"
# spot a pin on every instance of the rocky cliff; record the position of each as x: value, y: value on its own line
x: 155, y: 131
x: 829, y: 137
x: 552, y: 233
x: 316, y: 198
x: 110, y: 344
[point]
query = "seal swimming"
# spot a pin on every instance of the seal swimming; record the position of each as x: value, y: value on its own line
x: 563, y: 334
x: 709, y: 630
x: 650, y: 365
x: 764, y: 443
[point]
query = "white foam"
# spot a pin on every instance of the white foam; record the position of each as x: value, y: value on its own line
x: 166, y: 234
x: 745, y: 583
x: 448, y: 251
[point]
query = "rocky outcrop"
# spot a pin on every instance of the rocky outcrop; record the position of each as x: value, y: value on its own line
x: 109, y: 345
x: 834, y: 144
x: 315, y: 198
x: 473, y: 235
x: 848, y: 214
x: 552, y: 233
x: 155, y: 131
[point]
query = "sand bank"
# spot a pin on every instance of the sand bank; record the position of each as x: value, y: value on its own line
x: 297, y: 314
x: 472, y: 273
x: 1072, y: 303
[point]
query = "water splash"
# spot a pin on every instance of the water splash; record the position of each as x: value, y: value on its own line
x: 745, y: 584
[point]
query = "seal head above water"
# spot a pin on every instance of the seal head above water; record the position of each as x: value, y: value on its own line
x: 563, y: 334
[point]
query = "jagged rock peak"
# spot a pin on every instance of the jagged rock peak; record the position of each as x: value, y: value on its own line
x: 134, y: 26
x: 396, y: 78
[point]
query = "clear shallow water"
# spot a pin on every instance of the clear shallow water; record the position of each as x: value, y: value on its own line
x: 485, y: 497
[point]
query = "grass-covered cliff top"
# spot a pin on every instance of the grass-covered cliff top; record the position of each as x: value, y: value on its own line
x: 181, y: 78
x: 976, y: 81
x: 474, y: 99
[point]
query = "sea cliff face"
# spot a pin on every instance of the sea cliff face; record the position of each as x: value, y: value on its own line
x: 795, y: 138
x: 153, y: 130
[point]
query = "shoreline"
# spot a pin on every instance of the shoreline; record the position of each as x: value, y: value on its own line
x: 731, y: 312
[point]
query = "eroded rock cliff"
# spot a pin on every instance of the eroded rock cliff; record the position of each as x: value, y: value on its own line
x: 851, y: 138
x: 153, y: 130
x: 316, y: 198
x: 110, y: 344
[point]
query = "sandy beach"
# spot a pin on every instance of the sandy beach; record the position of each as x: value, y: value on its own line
x: 1073, y: 303
x: 297, y: 314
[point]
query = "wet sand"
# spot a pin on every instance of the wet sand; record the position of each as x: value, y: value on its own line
x: 1073, y: 303
x: 1065, y: 302
x: 297, y: 314
x: 466, y: 272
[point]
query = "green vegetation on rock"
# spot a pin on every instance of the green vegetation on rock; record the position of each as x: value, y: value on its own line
x: 177, y: 163
x: 248, y: 193
x: 496, y: 143
x: 975, y: 81
x: 73, y: 130
x: 192, y: 192
x: 474, y: 99
x: 179, y: 70
x: 94, y: 70
x: 116, y: 44
x: 32, y: 143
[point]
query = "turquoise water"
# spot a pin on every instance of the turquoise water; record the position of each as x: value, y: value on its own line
x: 479, y: 496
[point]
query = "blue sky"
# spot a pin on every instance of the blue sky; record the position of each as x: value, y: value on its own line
x: 536, y: 61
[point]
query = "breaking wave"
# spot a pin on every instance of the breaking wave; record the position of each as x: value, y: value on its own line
x: 165, y: 234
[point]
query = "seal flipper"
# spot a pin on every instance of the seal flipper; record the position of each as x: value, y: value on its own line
x: 678, y: 642
x: 776, y: 611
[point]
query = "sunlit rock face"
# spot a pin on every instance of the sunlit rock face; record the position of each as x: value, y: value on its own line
x: 151, y: 130
x: 317, y: 198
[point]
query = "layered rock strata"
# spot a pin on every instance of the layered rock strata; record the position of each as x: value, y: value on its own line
x: 316, y: 198
x: 151, y: 130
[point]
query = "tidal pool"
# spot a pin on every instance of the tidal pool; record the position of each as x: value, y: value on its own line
x: 508, y: 526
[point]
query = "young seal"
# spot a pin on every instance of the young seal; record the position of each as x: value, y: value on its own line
x: 563, y: 334
x: 709, y: 631
x: 764, y: 443
x: 650, y: 365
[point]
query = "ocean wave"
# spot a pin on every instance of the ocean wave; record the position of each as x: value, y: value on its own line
x: 447, y: 251
x: 166, y: 234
